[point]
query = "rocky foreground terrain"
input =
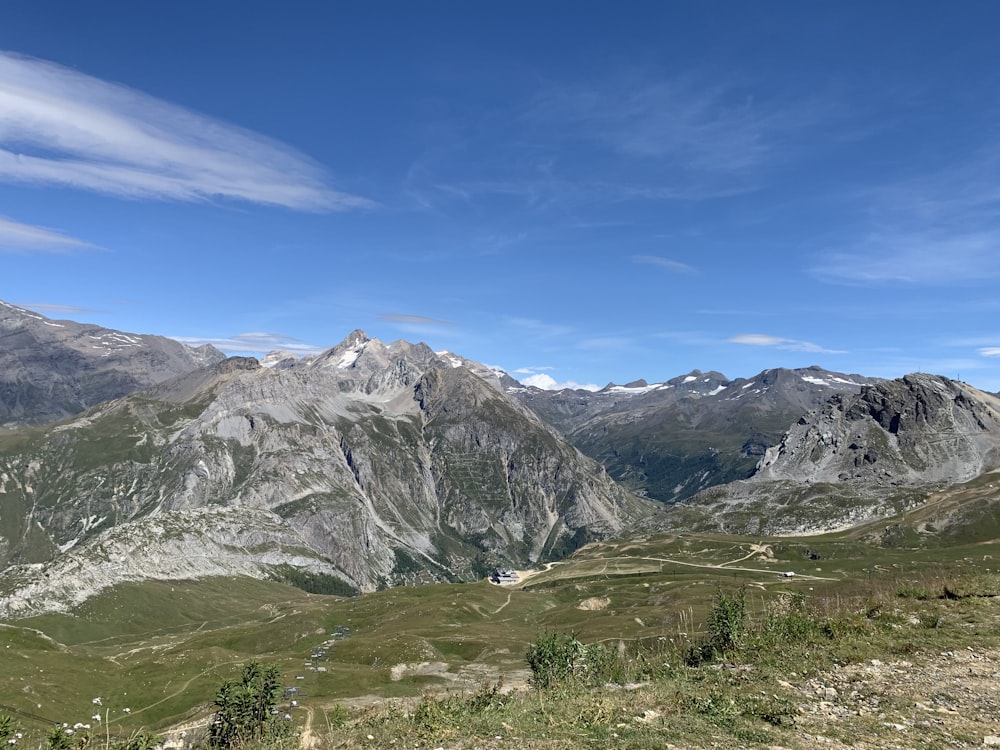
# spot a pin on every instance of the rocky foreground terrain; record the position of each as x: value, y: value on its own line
x: 944, y: 698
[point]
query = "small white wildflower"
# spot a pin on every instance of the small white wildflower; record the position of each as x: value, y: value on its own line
x: 19, y: 735
x: 96, y: 717
x: 69, y: 731
x: 11, y: 741
x: 97, y: 701
x: 127, y: 710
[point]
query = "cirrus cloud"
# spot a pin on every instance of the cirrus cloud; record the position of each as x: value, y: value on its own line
x: 64, y: 128
x: 777, y: 342
x: 253, y: 343
x: 670, y: 265
x: 25, y: 238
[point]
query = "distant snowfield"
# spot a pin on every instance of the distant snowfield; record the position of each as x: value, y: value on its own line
x: 636, y: 390
x: 828, y: 383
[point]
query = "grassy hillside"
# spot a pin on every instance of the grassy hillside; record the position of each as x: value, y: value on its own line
x: 161, y: 649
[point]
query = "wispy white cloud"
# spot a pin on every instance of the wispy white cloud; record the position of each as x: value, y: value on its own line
x: 538, y: 328
x: 688, y: 338
x: 418, y: 324
x: 57, y: 309
x: 929, y: 257
x: 777, y: 342
x: 25, y: 238
x: 414, y: 319
x: 634, y: 135
x: 708, y: 128
x: 532, y: 370
x: 61, y: 127
x: 549, y: 383
x: 495, y: 243
x: 990, y: 351
x: 670, y: 265
x: 942, y: 228
x: 253, y: 343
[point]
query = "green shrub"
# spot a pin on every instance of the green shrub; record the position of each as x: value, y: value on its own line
x: 553, y: 658
x: 8, y: 727
x: 727, y: 622
x: 726, y: 628
x: 141, y: 740
x: 913, y: 592
x: 439, y: 715
x: 246, y: 709
x: 789, y: 620
x: 59, y: 739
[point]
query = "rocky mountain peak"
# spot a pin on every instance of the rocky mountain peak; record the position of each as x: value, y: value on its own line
x: 916, y: 429
x: 279, y: 359
x: 378, y: 464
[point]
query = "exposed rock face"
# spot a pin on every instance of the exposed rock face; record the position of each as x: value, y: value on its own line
x: 670, y: 440
x: 209, y: 541
x: 50, y: 370
x: 376, y: 463
x: 920, y: 429
x: 858, y: 458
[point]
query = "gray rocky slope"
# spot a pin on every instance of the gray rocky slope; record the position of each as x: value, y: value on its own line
x: 52, y: 369
x: 670, y: 440
x: 377, y: 464
x: 859, y: 457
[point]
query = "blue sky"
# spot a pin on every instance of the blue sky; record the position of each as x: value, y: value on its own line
x: 578, y: 192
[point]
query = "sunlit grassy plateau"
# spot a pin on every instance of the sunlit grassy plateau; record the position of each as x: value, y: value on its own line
x: 160, y: 649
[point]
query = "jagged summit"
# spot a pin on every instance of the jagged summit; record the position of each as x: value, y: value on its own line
x: 917, y: 429
x: 377, y: 464
x: 280, y: 359
x: 858, y: 457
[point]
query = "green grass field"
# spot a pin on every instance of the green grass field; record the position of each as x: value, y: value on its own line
x: 161, y: 649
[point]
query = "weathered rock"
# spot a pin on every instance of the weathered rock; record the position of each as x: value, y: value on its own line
x: 384, y: 463
x: 859, y: 458
x: 50, y: 370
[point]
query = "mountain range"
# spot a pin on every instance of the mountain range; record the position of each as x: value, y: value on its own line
x: 856, y: 458
x: 131, y: 457
x: 370, y: 464
x: 668, y: 441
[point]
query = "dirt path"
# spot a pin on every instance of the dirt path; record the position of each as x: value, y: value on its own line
x: 307, y: 740
x: 183, y: 688
x: 755, y: 549
x: 500, y: 608
x: 523, y: 575
x: 729, y: 566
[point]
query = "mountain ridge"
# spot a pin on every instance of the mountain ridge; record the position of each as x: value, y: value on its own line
x: 858, y: 458
x: 670, y: 440
x: 383, y: 464
x: 50, y: 370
